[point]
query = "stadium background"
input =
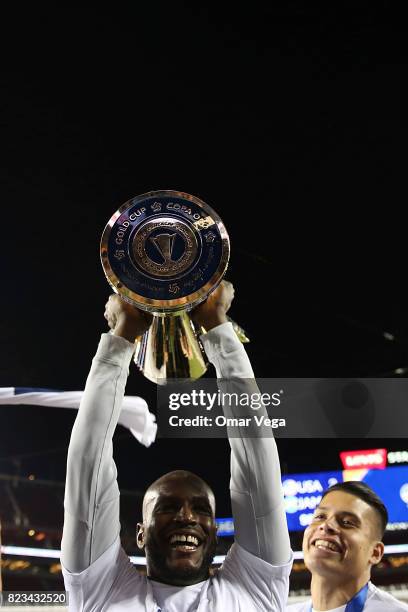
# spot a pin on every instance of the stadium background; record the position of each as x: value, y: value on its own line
x: 290, y: 121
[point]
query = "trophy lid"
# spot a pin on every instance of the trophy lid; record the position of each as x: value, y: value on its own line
x: 164, y: 251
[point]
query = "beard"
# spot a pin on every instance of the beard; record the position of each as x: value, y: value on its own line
x: 159, y: 570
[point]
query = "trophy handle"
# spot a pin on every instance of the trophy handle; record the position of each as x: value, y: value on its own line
x: 241, y: 333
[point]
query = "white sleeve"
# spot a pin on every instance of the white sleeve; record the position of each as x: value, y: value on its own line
x: 91, y: 522
x: 256, y: 488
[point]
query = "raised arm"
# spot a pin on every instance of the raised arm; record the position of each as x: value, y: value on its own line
x: 91, y: 522
x: 256, y: 489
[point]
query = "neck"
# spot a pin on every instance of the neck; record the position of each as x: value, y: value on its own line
x: 173, y: 579
x: 328, y: 593
x: 176, y: 582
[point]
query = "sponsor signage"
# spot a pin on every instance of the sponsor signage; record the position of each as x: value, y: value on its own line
x: 303, y: 493
x: 225, y: 526
x: 398, y: 457
x: 364, y: 459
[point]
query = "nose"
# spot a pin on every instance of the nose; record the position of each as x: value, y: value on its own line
x: 186, y: 514
x: 329, y: 525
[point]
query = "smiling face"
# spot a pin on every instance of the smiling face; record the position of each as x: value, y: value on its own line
x: 342, y: 542
x: 178, y: 531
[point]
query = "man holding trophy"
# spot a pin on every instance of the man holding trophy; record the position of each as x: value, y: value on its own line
x: 178, y: 532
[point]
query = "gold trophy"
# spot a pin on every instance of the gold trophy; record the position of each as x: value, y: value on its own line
x: 165, y: 252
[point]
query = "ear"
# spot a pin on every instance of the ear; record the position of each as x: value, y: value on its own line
x: 140, y: 536
x: 377, y: 553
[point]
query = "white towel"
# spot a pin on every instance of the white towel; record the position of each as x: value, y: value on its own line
x: 135, y: 414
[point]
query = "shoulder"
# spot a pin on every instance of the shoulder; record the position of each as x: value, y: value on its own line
x: 111, y: 575
x: 251, y: 582
x: 239, y: 557
x: 378, y: 598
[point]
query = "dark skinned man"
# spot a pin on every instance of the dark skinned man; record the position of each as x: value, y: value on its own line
x: 178, y: 532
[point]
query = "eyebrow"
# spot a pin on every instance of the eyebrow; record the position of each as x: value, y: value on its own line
x: 341, y: 512
x: 202, y: 499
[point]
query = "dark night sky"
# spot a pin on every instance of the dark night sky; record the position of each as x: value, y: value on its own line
x: 290, y: 121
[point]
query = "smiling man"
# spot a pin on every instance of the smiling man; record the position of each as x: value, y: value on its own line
x: 340, y: 547
x: 178, y: 532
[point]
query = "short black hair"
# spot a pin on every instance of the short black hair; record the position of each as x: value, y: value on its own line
x: 364, y: 492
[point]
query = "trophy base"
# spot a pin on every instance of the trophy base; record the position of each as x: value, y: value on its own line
x: 170, y: 350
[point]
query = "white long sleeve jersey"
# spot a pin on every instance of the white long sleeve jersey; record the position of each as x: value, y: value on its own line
x: 97, y: 572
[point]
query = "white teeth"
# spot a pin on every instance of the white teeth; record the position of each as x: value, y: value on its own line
x: 326, y: 544
x: 181, y: 538
x: 178, y: 538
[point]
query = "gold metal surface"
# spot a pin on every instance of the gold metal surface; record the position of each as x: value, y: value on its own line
x: 170, y: 349
x: 241, y: 333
